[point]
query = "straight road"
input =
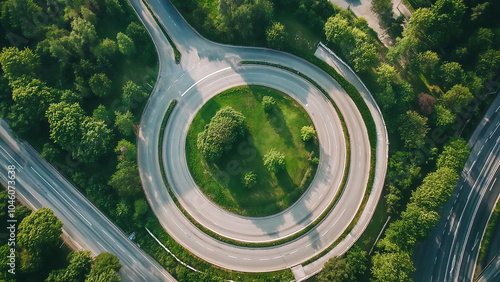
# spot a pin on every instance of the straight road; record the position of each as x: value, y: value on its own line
x: 38, y: 184
x: 451, y: 252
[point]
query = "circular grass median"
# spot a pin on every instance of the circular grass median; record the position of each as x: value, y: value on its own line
x: 279, y: 128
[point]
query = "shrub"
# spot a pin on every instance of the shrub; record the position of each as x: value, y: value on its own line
x: 249, y: 179
x: 268, y: 103
x: 307, y: 133
x: 274, y: 161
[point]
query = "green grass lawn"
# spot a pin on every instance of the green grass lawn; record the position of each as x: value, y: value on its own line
x: 279, y: 129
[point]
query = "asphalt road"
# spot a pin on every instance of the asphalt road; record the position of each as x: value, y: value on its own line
x: 38, y: 184
x: 451, y: 252
x: 207, y: 68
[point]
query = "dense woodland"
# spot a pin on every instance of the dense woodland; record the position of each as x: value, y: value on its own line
x: 74, y: 83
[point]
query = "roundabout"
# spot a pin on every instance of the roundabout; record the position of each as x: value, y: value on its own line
x: 206, y: 69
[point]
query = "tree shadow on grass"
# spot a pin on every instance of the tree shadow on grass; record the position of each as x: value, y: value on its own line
x: 279, y: 124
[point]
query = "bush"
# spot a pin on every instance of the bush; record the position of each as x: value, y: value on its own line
x: 249, y: 179
x: 307, y: 133
x: 219, y: 135
x: 274, y: 161
x: 268, y: 102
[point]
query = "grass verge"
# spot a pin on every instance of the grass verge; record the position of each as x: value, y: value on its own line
x: 485, y: 242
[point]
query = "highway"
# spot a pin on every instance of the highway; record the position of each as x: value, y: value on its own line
x: 451, y: 252
x: 38, y: 184
x: 207, y: 68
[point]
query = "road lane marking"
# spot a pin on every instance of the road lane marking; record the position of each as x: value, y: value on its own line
x: 132, y: 258
x: 264, y: 259
x: 246, y: 259
x: 231, y: 256
x: 61, y: 196
x: 101, y: 246
x: 492, y: 184
x: 12, y: 157
x: 207, y: 76
x: 108, y: 235
x: 121, y: 248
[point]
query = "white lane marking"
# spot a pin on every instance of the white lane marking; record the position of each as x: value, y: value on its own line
x: 12, y: 158
x: 101, y: 246
x: 207, y: 76
x: 231, y: 256
x: 119, y: 247
x: 453, y: 263
x: 108, y: 235
x: 132, y: 258
x: 277, y: 257
x: 62, y: 209
x: 263, y: 259
x: 492, y: 184
x: 246, y: 259
x: 61, y: 196
x: 293, y: 252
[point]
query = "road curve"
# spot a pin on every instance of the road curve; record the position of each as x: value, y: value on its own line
x: 39, y: 184
x: 205, y: 69
x: 454, y: 242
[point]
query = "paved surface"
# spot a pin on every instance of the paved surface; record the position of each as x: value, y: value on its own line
x: 207, y: 68
x: 38, y: 184
x: 362, y: 8
x: 451, y: 252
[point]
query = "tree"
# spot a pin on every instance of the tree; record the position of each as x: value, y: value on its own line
x: 133, y: 93
x: 101, y: 113
x: 140, y: 209
x: 274, y: 161
x: 426, y: 103
x: 307, y: 133
x: 126, y: 180
x: 49, y: 152
x: 125, y: 123
x: 220, y: 134
x: 456, y: 98
x: 39, y: 231
x: 349, y: 267
x: 126, y: 151
x: 413, y: 129
x: 83, y: 32
x: 386, y: 75
x: 65, y: 120
x: 268, y: 103
x: 454, y: 155
x: 427, y: 62
x: 125, y: 44
x: 451, y: 73
x: 105, y: 261
x: 107, y: 48
x: 436, y: 189
x: 245, y: 19
x: 16, y: 63
x: 383, y: 8
x: 276, y: 36
x: 444, y: 117
x: 79, y: 265
x: 100, y: 84
x: 18, y: 14
x: 96, y: 140
x: 488, y: 64
x: 33, y: 96
x: 392, y: 267
x: 249, y: 179
x: 106, y: 276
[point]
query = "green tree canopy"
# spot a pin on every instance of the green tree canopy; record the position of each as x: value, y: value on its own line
x: 65, y: 124
x: 16, y: 13
x: 220, y: 134
x: 276, y: 36
x: 126, y: 180
x: 392, y: 267
x: 100, y: 84
x: 413, y: 129
x: 274, y: 161
x: 126, y: 151
x: 268, y: 103
x: 125, y: 123
x: 33, y: 96
x: 307, y: 133
x: 454, y: 155
x: 96, y: 140
x: 125, y: 45
x: 249, y: 179
x: 17, y: 63
x: 456, y: 98
x: 133, y: 93
x: 39, y: 231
